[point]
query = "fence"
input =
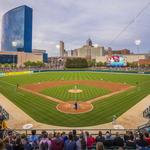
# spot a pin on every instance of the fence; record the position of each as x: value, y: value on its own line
x: 93, y: 132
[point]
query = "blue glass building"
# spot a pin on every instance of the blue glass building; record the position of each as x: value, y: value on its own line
x: 17, y: 30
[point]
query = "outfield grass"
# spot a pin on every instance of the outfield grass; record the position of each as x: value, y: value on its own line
x: 44, y: 111
x: 88, y: 92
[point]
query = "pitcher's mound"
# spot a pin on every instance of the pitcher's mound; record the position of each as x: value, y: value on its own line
x: 74, y: 91
x: 68, y: 108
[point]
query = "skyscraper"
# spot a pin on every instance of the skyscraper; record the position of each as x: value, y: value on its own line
x: 17, y: 30
x: 62, y: 50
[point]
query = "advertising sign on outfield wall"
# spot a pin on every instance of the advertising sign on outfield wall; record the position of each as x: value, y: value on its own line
x: 15, y: 73
x: 2, y: 74
x: 18, y: 73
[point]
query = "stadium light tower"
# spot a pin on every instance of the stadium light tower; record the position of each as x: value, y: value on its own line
x: 14, y: 44
x: 137, y: 43
x: 58, y: 47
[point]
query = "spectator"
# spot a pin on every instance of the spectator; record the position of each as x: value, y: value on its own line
x: 131, y: 136
x: 108, y: 140
x: 25, y: 142
x: 99, y: 146
x: 126, y: 136
x: 57, y: 142
x: 147, y: 138
x: 33, y: 140
x: 130, y: 143
x: 64, y: 136
x: 90, y: 141
x: 42, y: 134
x: 141, y: 142
x: 50, y: 136
x: 100, y: 137
x: 81, y: 143
x: 45, y: 143
x: 118, y: 141
x: 75, y: 138
x: 70, y: 144
x: 108, y: 136
x: 17, y: 144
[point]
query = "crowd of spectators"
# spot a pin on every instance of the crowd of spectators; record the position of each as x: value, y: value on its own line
x: 72, y: 141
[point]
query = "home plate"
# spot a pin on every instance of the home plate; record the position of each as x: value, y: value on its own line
x: 118, y: 126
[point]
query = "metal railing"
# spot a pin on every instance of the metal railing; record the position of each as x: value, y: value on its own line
x: 93, y: 132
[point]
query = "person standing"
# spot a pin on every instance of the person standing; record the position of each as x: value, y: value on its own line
x: 70, y: 144
x: 76, y: 105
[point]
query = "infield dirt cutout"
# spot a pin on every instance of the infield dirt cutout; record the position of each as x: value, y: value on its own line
x: 68, y: 107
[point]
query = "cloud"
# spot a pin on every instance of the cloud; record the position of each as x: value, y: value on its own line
x: 76, y: 20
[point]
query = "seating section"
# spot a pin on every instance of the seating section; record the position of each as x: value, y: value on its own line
x: 11, y: 140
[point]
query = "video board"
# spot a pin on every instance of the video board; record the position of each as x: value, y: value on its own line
x: 116, y: 61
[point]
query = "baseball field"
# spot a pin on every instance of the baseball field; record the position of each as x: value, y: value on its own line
x: 49, y: 97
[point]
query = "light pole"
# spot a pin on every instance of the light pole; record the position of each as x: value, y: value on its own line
x: 137, y: 43
x: 14, y: 44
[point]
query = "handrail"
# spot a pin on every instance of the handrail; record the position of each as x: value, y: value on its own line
x: 91, y: 130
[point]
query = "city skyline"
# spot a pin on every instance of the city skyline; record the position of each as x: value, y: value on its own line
x: 75, y: 21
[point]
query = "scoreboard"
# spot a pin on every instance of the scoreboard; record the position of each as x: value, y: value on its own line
x: 116, y: 61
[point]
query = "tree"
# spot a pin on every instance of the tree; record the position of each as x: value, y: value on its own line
x: 6, y: 65
x: 91, y: 63
x: 76, y: 63
x: 100, y: 64
x: 34, y: 64
x: 40, y: 64
x: 28, y: 63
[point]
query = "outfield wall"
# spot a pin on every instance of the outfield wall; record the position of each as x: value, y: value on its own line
x: 112, y: 71
x: 2, y: 74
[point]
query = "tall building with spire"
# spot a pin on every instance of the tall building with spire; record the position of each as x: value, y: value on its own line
x: 89, y: 51
x: 89, y: 42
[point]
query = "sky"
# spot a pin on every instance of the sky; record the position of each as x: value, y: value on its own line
x: 74, y: 21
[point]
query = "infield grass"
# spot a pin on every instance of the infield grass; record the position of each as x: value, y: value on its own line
x: 88, y: 92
